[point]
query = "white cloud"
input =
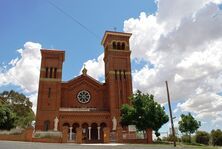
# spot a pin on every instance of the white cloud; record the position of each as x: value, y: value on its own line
x: 146, y: 32
x: 207, y: 106
x: 204, y: 104
x: 24, y: 71
x: 95, y: 67
x: 183, y: 42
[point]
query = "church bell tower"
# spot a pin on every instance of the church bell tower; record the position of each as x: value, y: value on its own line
x: 49, y: 93
x: 117, y: 70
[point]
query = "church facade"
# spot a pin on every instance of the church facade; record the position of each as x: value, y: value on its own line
x: 84, y: 102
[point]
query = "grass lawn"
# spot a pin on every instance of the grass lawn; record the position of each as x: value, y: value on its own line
x: 199, y: 147
x: 179, y: 145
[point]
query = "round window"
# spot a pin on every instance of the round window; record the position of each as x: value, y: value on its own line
x: 83, y: 96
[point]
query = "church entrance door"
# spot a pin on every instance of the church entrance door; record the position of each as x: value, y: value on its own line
x: 94, y: 132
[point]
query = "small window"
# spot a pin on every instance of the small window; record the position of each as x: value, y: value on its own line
x: 121, y: 94
x: 49, y: 92
x: 118, y: 45
x: 114, y: 45
x: 55, y: 72
x: 120, y: 75
x: 123, y: 46
x: 50, y: 75
x: 116, y: 74
x: 46, y: 72
x: 124, y: 74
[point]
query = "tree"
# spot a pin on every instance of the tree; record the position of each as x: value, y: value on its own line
x: 202, y: 137
x: 7, y: 118
x: 144, y: 113
x: 20, y: 105
x: 216, y: 137
x: 188, y: 125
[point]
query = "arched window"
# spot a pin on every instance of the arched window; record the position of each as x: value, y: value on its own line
x: 120, y: 74
x: 55, y: 72
x: 114, y: 45
x: 49, y: 92
x: 50, y: 73
x: 46, y: 125
x: 116, y: 74
x: 46, y: 72
x: 123, y: 46
x: 118, y: 45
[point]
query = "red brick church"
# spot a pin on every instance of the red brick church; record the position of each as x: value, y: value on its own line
x: 84, y: 102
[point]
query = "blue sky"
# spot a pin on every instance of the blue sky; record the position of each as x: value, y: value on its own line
x: 40, y: 21
x: 179, y: 42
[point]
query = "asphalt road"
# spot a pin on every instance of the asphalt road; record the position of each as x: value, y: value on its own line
x: 31, y: 145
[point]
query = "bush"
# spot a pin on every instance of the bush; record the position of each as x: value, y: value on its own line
x: 170, y: 138
x: 159, y: 139
x: 7, y: 118
x: 216, y: 136
x: 202, y: 137
x: 186, y: 138
x: 14, y: 131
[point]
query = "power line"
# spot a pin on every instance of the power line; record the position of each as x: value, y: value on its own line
x: 72, y: 18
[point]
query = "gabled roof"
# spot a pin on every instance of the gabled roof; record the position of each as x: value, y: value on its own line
x: 84, y: 77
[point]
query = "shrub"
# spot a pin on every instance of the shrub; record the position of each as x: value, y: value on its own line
x: 202, y: 137
x: 7, y: 118
x: 164, y: 138
x: 216, y: 136
x: 170, y: 138
x: 186, y: 139
x: 14, y: 131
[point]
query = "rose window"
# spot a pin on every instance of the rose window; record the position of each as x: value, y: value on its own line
x: 83, y: 96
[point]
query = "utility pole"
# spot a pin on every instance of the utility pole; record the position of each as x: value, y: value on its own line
x: 171, y: 118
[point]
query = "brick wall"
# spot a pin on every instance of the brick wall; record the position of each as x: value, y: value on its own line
x: 25, y: 136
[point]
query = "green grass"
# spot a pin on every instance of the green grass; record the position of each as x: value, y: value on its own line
x: 179, y: 146
x: 199, y: 147
x: 184, y: 145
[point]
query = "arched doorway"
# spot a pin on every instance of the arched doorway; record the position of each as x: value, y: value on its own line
x: 94, y: 131
x: 102, y: 126
x: 66, y: 125
x: 46, y: 125
x: 74, y: 127
x: 85, y: 131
